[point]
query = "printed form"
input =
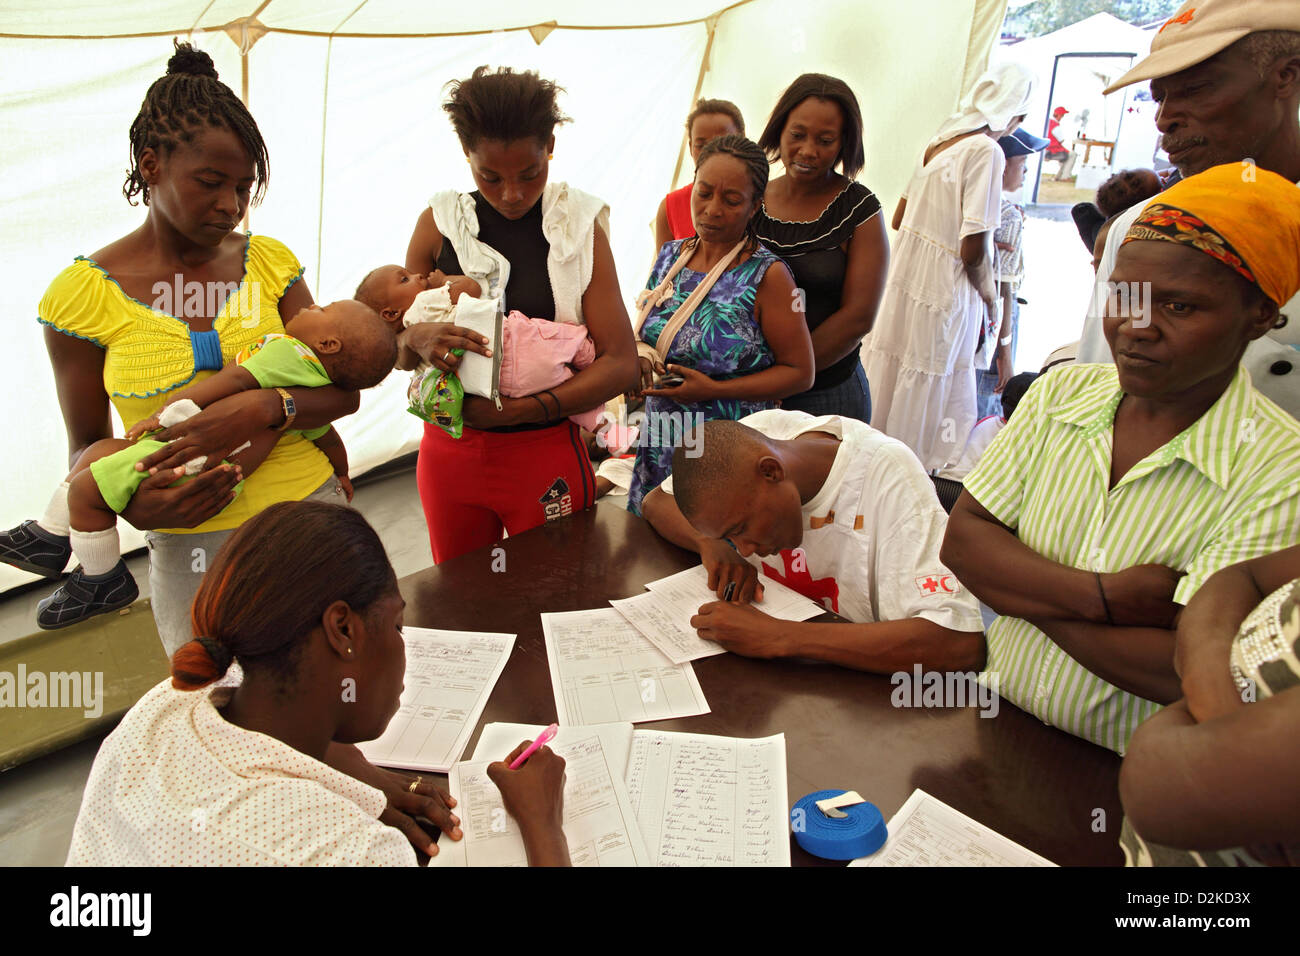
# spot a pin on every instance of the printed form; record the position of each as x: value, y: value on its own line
x: 663, y: 614
x: 599, y: 822
x: 710, y: 801
x: 603, y: 670
x: 927, y: 832
x: 498, y: 740
x: 449, y: 677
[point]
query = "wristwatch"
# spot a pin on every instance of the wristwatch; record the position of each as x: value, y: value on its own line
x: 290, y: 410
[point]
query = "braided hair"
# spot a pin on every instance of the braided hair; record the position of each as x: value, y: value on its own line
x: 752, y: 155
x: 179, y: 106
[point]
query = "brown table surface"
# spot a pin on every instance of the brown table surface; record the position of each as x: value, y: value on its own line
x: 1038, y: 786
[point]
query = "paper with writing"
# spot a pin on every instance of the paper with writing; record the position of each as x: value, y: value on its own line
x: 498, y: 739
x: 710, y: 801
x: 599, y: 823
x: 927, y: 832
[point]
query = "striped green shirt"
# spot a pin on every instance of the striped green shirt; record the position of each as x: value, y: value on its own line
x: 1225, y: 490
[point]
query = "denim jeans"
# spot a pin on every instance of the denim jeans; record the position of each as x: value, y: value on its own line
x: 988, y: 402
x: 177, y: 563
x: 851, y: 398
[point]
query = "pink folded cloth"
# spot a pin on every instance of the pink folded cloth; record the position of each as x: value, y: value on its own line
x: 537, y: 354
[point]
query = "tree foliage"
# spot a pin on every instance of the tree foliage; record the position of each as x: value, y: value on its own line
x: 1044, y: 16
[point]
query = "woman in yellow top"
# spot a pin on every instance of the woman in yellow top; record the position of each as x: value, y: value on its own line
x: 171, y: 303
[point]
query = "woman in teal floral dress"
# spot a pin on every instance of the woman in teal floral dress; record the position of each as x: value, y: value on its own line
x: 746, y: 345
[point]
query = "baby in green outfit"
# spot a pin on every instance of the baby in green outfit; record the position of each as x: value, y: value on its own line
x: 344, y: 344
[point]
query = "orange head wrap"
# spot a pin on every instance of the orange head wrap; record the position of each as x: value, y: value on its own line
x: 1245, y: 217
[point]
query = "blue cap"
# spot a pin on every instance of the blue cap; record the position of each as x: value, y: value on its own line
x: 1021, y: 143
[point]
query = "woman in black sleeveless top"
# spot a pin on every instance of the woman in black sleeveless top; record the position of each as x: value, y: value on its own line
x: 525, y: 464
x: 828, y: 230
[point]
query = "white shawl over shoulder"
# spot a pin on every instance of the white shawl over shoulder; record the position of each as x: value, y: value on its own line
x: 569, y: 218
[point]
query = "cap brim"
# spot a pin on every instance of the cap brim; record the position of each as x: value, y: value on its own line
x: 1178, y: 56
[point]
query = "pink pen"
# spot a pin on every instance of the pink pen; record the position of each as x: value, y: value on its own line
x: 542, y: 738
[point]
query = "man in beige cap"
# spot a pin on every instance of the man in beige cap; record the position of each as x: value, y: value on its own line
x: 1226, y: 74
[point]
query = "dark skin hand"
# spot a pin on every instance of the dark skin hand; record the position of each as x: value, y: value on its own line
x: 1135, y: 659
x: 405, y: 808
x: 534, y: 796
x: 882, y: 647
x: 720, y: 559
x: 1016, y: 581
x: 1213, y: 616
x: 225, y: 425
x: 79, y: 378
x: 1230, y: 781
x: 790, y: 372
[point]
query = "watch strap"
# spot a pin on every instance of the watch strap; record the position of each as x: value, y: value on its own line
x: 290, y: 409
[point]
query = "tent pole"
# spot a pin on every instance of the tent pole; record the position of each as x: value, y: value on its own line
x: 712, y: 24
x: 243, y: 95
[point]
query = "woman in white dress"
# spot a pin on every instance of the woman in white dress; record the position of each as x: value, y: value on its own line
x: 938, y: 322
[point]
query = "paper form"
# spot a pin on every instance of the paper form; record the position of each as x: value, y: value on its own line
x: 499, y: 739
x: 661, y: 623
x: 599, y: 822
x: 449, y: 676
x: 663, y: 614
x: 603, y: 671
x: 927, y: 832
x: 710, y: 801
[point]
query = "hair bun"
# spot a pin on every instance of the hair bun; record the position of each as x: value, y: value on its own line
x: 186, y: 59
x: 199, y: 663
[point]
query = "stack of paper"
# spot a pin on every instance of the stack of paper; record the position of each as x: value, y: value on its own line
x: 449, y: 676
x: 927, y: 832
x: 652, y: 798
x: 663, y: 614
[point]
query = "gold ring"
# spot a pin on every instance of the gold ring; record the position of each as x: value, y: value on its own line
x: 414, y: 784
x: 446, y: 358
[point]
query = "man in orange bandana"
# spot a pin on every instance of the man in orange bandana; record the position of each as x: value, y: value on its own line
x: 1117, y: 490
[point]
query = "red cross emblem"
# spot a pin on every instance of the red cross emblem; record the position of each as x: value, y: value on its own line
x: 825, y: 591
x: 929, y: 584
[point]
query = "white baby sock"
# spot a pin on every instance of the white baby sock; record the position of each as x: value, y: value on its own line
x: 98, y: 551
x: 55, y: 519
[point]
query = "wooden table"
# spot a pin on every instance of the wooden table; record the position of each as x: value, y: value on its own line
x: 1039, y: 786
x: 1088, y: 144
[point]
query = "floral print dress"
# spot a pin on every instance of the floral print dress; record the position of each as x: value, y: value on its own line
x: 722, y: 339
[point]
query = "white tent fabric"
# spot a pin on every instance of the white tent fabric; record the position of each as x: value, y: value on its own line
x: 347, y: 94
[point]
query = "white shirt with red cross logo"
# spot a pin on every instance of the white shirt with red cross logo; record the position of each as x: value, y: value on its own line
x: 870, y: 549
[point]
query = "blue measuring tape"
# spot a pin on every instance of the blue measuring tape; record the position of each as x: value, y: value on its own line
x: 860, y: 833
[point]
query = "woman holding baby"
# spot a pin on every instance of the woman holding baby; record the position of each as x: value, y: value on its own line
x: 197, y: 160
x: 545, y: 248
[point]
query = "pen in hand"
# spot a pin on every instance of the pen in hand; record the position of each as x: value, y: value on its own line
x: 542, y: 738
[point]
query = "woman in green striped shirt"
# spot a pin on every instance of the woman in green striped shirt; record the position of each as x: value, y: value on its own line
x: 1116, y: 491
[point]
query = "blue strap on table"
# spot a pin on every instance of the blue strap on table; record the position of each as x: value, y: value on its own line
x: 860, y: 833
